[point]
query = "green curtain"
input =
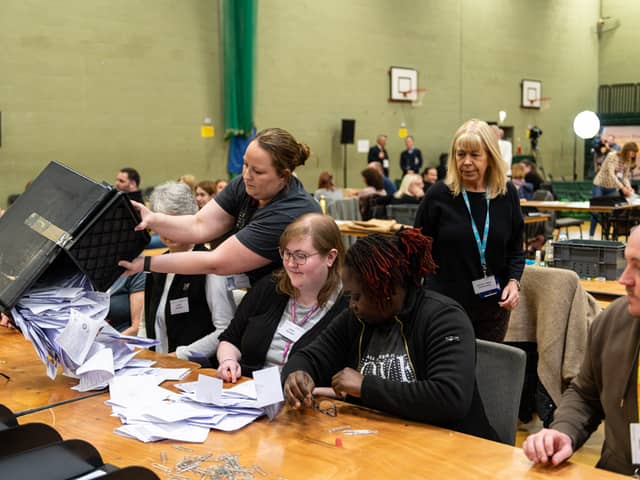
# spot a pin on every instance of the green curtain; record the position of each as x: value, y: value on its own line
x: 238, y: 19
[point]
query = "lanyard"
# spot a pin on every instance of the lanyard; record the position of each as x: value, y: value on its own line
x: 482, y: 245
x: 304, y: 320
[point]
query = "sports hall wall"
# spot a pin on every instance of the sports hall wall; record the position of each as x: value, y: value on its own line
x: 101, y: 84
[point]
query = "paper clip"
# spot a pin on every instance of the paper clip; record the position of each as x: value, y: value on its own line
x: 339, y: 429
x: 359, y: 432
x: 161, y: 467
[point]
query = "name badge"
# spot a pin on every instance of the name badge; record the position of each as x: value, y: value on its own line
x: 385, y: 163
x: 634, y: 429
x: 486, y: 287
x: 238, y: 281
x: 291, y: 331
x: 179, y: 305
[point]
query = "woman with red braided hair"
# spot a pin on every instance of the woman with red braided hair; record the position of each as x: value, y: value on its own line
x: 399, y: 348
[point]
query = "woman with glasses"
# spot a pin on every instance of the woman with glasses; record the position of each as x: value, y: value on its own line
x: 284, y: 312
x: 400, y: 349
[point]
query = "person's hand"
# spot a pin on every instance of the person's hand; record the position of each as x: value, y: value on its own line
x: 347, y: 382
x: 229, y: 370
x: 510, y: 296
x: 548, y: 445
x: 298, y: 388
x: 6, y: 321
x: 130, y: 268
x: 145, y: 215
x: 627, y: 191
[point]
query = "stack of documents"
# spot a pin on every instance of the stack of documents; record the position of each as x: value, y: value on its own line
x: 66, y: 326
x: 150, y: 413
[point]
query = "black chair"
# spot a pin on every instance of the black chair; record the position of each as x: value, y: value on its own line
x: 558, y: 222
x: 500, y: 376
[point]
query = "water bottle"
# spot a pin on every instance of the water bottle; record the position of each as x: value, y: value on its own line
x: 562, y: 237
x: 538, y: 261
x: 548, y: 253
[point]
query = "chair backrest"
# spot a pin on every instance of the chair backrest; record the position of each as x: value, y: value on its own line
x: 542, y: 195
x: 403, y: 213
x: 500, y: 376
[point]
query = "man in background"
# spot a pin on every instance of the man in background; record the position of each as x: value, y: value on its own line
x: 411, y: 158
x: 378, y: 153
x: 606, y: 387
x: 128, y: 181
x: 506, y: 149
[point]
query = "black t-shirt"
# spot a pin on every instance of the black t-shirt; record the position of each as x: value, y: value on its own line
x: 259, y: 229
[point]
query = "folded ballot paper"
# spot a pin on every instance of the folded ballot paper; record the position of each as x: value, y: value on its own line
x: 150, y: 413
x: 66, y: 325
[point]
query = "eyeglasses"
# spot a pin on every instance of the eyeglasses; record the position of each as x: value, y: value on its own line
x: 326, y: 407
x: 299, y: 258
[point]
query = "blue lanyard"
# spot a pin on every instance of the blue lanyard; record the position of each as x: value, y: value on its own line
x: 482, y: 245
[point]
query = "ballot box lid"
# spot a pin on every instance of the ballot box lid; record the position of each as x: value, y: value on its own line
x: 65, y: 214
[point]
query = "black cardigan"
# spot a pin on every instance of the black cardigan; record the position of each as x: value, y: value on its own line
x: 256, y: 321
x: 441, y: 346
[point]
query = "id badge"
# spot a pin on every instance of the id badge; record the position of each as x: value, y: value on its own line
x: 179, y: 305
x: 486, y: 286
x: 238, y: 282
x: 291, y: 331
x: 634, y: 430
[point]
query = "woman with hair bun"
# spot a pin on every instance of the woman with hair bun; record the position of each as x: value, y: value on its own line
x: 400, y: 348
x: 252, y: 211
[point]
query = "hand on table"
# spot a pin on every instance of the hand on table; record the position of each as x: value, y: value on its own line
x: 298, y: 390
x: 6, y: 321
x: 347, y: 382
x: 229, y: 370
x: 548, y: 445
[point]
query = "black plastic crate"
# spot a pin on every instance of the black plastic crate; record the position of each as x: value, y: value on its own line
x: 590, y: 258
x: 403, y: 213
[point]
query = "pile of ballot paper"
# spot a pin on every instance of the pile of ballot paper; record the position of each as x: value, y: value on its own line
x: 149, y: 412
x: 67, y: 327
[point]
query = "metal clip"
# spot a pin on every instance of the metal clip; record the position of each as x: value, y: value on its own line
x: 44, y: 227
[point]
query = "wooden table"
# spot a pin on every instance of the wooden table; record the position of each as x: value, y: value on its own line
x: 604, y: 291
x: 29, y: 387
x: 584, y: 207
x: 299, y: 445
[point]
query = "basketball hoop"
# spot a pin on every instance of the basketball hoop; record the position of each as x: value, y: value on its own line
x: 543, y: 103
x: 415, y: 96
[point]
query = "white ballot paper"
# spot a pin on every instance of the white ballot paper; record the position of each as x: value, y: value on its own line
x: 208, y: 389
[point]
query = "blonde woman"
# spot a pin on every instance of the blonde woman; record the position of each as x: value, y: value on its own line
x: 411, y: 190
x: 476, y: 224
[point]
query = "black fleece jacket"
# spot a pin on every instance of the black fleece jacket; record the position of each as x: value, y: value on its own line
x: 441, y: 346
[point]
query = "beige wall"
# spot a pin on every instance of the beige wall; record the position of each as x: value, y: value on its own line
x: 618, y: 46
x: 100, y: 84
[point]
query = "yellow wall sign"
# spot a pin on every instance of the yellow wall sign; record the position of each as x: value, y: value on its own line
x: 403, y: 133
x: 207, y: 131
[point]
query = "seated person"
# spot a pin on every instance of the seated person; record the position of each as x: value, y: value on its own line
x: 205, y: 191
x: 389, y: 187
x: 429, y: 177
x: 220, y: 184
x: 284, y: 312
x: 190, y: 180
x: 126, y: 299
x: 327, y: 188
x: 185, y: 312
x: 411, y: 190
x: 525, y: 189
x: 400, y: 349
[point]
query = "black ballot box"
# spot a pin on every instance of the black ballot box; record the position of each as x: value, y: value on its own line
x: 65, y: 222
